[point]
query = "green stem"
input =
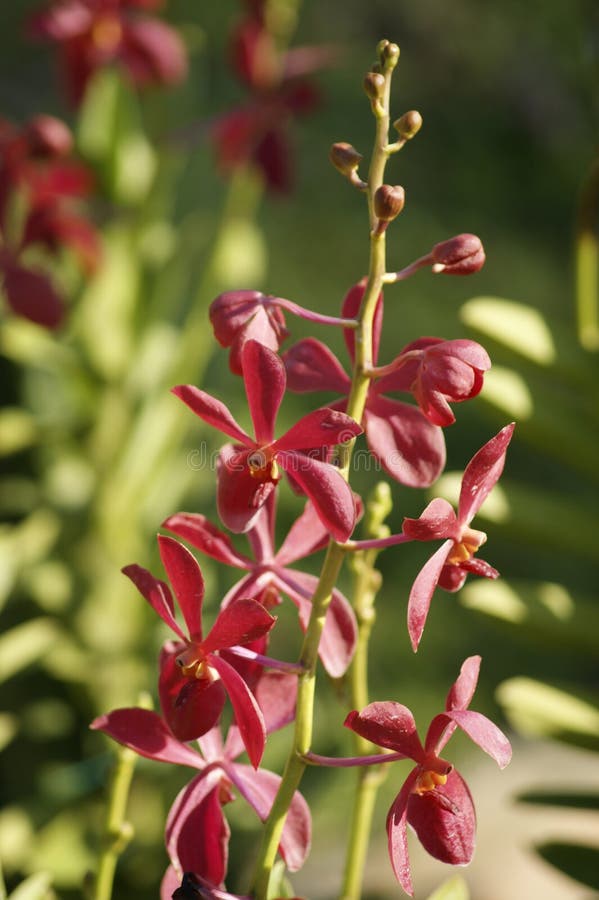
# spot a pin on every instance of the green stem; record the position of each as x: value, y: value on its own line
x: 117, y: 830
x: 295, y: 766
x: 587, y: 262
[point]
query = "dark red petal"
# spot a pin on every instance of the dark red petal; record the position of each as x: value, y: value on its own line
x: 267, y: 326
x: 231, y: 311
x: 158, y: 595
x: 273, y: 156
x: 422, y: 592
x: 205, y: 536
x: 191, y: 707
x: 311, y: 366
x: 307, y: 535
x: 187, y: 582
x: 350, y: 309
x: 145, y: 732
x: 248, y: 716
x: 31, y: 295
x: 239, y: 496
x: 462, y: 691
x: 153, y: 52
x: 259, y: 789
x: 445, y: 821
x: 397, y: 838
x: 484, y: 733
x: 482, y: 473
x: 437, y: 521
x: 325, y: 486
x: 322, y: 428
x: 212, y: 411
x: 407, y: 445
x: 264, y: 378
x: 240, y: 622
x: 197, y: 834
x: 389, y: 725
x: 452, y: 577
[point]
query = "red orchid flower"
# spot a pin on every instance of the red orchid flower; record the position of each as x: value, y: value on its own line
x: 450, y: 564
x: 434, y: 799
x: 194, y: 677
x: 269, y: 574
x: 197, y: 833
x: 95, y: 33
x: 239, y: 316
x: 409, y: 447
x: 249, y: 471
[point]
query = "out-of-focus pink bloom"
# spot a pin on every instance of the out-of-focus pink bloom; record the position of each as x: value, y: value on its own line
x: 408, y: 446
x: 437, y: 372
x: 434, y: 798
x: 269, y: 574
x: 91, y: 34
x: 249, y: 471
x: 450, y: 564
x: 194, y: 677
x: 240, y: 316
x: 197, y: 833
x: 34, y: 167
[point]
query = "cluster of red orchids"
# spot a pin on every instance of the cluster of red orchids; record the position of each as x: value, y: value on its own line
x: 199, y: 669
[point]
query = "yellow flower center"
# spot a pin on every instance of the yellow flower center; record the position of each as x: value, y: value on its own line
x: 428, y: 781
x: 107, y: 33
x: 263, y: 465
x: 467, y: 547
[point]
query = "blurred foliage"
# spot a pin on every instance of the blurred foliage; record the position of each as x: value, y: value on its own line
x: 96, y: 452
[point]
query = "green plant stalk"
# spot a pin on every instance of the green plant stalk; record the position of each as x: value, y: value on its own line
x: 295, y: 766
x: 117, y: 830
x: 587, y: 262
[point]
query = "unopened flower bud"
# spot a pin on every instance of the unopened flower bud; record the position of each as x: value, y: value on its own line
x: 345, y: 158
x: 48, y: 137
x: 374, y: 85
x: 408, y: 125
x: 388, y: 202
x: 460, y: 255
x: 388, y: 54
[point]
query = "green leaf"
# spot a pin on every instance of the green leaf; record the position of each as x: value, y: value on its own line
x: 18, y: 430
x: 557, y: 798
x: 240, y: 256
x: 36, y: 887
x: 8, y: 728
x: 575, y: 860
x: 25, y: 644
x: 539, y: 710
x: 453, y: 889
x: 279, y: 885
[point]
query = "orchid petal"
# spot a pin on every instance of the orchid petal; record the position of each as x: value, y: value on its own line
x: 437, y: 521
x: 350, y: 309
x: 239, y: 497
x: 248, y: 715
x: 191, y: 707
x: 311, y: 366
x: 445, y: 821
x: 422, y: 592
x: 198, y: 531
x: 389, y: 725
x: 397, y: 838
x: 462, y: 691
x: 31, y: 295
x: 307, y: 535
x: 264, y: 379
x: 276, y: 694
x: 157, y: 593
x: 212, y: 411
x: 240, y: 622
x: 322, y: 428
x: 146, y: 733
x: 327, y: 489
x: 154, y: 52
x: 485, y: 733
x: 197, y: 833
x: 482, y: 473
x: 187, y: 582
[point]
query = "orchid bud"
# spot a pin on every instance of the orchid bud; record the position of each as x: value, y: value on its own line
x: 388, y: 54
x: 48, y: 137
x: 408, y: 125
x: 345, y: 158
x: 374, y: 85
x: 460, y: 255
x: 388, y: 202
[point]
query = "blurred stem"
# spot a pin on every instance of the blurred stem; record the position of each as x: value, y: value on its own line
x: 587, y: 261
x: 117, y: 830
x: 2, y: 884
x: 295, y: 767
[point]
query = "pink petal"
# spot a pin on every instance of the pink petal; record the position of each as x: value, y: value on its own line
x: 198, y: 531
x: 350, y: 309
x: 239, y: 496
x: 157, y: 594
x: 307, y: 535
x: 259, y: 788
x: 311, y: 366
x: 61, y: 22
x: 231, y: 311
x: 153, y: 52
x: 267, y: 326
x: 422, y: 592
x: 480, y: 567
x: 327, y: 489
x: 197, y: 833
x: 212, y: 411
x: 462, y: 691
x: 240, y: 622
x: 187, y: 582
x: 276, y: 694
x: 31, y: 295
x: 322, y: 428
x: 467, y: 351
x: 169, y: 884
x: 445, y: 821
x: 452, y: 577
x: 191, y: 707
x: 248, y: 716
x: 397, y: 838
x: 211, y: 744
x: 482, y: 473
x: 407, y: 445
x: 484, y: 733
x: 389, y: 725
x: 437, y: 521
x: 264, y: 379
x: 145, y: 732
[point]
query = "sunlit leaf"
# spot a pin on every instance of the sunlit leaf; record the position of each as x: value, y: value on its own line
x: 36, y: 887
x: 579, y: 862
x: 18, y: 430
x: 540, y: 710
x: 561, y: 798
x: 25, y: 644
x: 453, y: 889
